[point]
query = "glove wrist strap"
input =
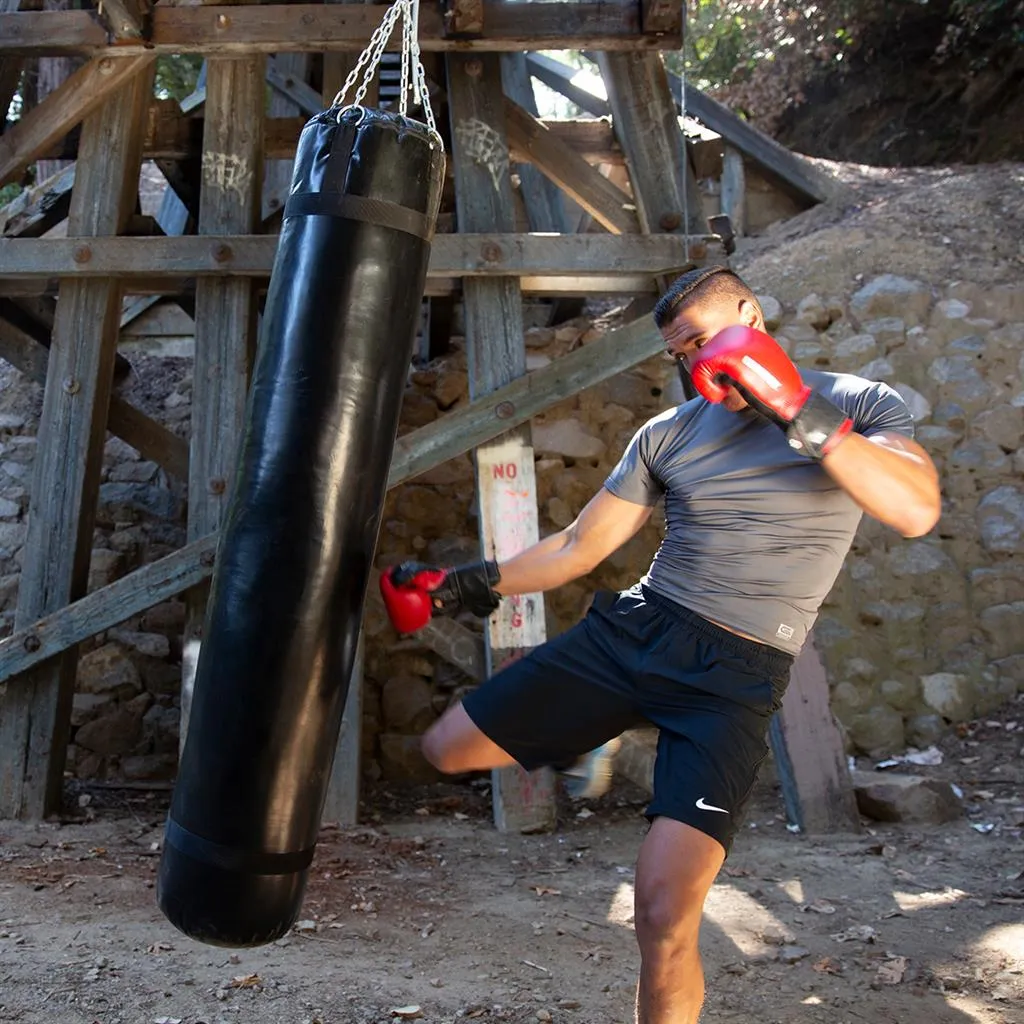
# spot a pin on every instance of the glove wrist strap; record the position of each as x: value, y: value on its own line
x: 818, y: 427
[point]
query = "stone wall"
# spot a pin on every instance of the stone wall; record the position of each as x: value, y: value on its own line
x: 916, y: 634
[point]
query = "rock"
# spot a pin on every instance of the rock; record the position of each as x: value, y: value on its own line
x: 918, y: 558
x: 960, y: 381
x: 149, y: 766
x: 924, y: 730
x: 406, y: 702
x: 161, y: 727
x: 999, y: 585
x: 901, y: 694
x: 1011, y: 669
x: 134, y: 472
x: 936, y: 440
x: 948, y: 693
x: 877, y: 370
x: 948, y: 316
x: 109, y: 670
x: 120, y: 500
x: 1000, y: 519
x: 536, y: 361
x: 559, y: 512
x: 539, y: 337
x: 905, y: 798
x: 979, y: 457
x: 105, y: 566
x: 453, y: 385
x: 809, y: 353
x: 116, y: 732
x: 12, y: 536
x: 847, y: 700
x: 167, y: 617
x: 853, y: 351
x: 793, y: 954
x: 1003, y: 425
x: 889, y: 295
x: 12, y: 421
x: 567, y: 438
x: 877, y: 731
x: 1003, y: 626
x: 152, y: 645
x: 889, y: 332
x: 418, y: 409
x: 811, y: 310
x: 401, y: 760
x: 795, y: 333
x: 919, y: 406
x: 87, y: 706
x: 9, y: 509
x: 772, y: 310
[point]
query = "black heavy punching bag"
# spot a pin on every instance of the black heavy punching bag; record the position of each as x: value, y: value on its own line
x: 299, y: 537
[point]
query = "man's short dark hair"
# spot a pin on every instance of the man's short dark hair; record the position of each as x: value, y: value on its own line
x: 703, y: 284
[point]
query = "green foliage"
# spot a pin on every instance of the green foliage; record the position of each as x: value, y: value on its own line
x: 9, y: 193
x: 176, y: 75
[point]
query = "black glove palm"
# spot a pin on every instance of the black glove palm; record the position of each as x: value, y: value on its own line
x: 466, y: 587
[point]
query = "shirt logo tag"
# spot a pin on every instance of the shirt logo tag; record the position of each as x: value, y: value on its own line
x: 785, y: 632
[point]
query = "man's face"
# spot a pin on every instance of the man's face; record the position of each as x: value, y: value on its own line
x: 695, y: 324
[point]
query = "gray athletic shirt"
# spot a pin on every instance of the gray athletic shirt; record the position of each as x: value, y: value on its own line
x: 756, y: 533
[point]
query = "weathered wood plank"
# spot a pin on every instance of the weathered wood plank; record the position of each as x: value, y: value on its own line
x: 793, y: 172
x: 279, y: 28
x: 563, y: 78
x: 808, y: 752
x: 496, y: 355
x: 662, y: 16
x: 126, y: 19
x: 341, y: 805
x: 65, y: 107
x: 40, y: 208
x: 734, y: 189
x: 286, y: 74
x: 416, y: 452
x: 456, y: 255
x: 608, y: 204
x: 646, y: 124
x: 35, y: 717
x: 225, y: 317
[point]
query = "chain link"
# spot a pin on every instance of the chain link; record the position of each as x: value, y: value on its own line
x: 413, y: 75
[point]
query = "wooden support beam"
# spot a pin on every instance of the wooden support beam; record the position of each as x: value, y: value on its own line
x: 149, y: 438
x: 35, y: 718
x: 646, y: 124
x: 286, y: 74
x: 808, y: 752
x: 496, y: 355
x: 10, y: 70
x: 662, y: 16
x: 229, y: 201
x: 65, y: 107
x: 280, y: 28
x: 563, y: 79
x: 126, y: 19
x: 734, y: 190
x: 40, y: 208
x: 608, y: 204
x: 796, y: 175
x: 341, y: 805
x: 417, y: 452
x: 457, y: 255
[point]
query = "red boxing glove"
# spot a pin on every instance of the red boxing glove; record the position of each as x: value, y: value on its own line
x: 409, y: 607
x: 413, y: 592
x: 755, y: 364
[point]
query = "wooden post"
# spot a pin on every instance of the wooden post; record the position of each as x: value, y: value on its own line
x: 225, y: 315
x: 734, y: 189
x: 342, y: 802
x: 808, y: 752
x: 646, y: 124
x: 35, y: 718
x: 278, y: 176
x: 497, y: 354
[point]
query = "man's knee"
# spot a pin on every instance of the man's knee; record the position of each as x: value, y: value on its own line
x: 667, y: 917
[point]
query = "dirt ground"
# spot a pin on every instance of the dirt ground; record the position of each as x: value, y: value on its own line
x: 426, y: 912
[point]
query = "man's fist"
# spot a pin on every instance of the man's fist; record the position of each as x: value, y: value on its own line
x: 413, y: 592
x: 755, y: 364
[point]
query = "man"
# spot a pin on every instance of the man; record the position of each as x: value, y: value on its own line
x: 764, y: 479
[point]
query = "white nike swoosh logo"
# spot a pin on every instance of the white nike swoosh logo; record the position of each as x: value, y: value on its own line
x: 710, y: 807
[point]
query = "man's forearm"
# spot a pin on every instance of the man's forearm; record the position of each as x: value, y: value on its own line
x: 544, y: 566
x: 899, y: 488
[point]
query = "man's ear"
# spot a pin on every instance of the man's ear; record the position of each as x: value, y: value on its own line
x: 749, y: 315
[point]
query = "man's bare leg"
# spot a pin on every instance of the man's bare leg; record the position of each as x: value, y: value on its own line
x: 455, y: 744
x: 676, y: 867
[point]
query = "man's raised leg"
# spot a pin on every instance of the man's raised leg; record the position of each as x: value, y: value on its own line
x: 455, y: 744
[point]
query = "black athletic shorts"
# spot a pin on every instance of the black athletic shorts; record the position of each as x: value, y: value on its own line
x: 638, y: 658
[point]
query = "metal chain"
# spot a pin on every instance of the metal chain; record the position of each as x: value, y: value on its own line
x: 413, y: 74
x: 682, y: 132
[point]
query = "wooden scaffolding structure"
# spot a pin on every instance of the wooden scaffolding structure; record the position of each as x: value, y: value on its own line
x: 225, y: 153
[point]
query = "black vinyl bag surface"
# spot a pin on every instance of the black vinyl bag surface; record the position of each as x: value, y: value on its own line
x: 297, y: 544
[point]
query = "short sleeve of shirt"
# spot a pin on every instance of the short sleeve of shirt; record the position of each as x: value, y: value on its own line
x: 634, y: 479
x: 879, y: 408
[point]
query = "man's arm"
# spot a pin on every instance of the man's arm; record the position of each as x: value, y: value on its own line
x: 891, y: 477
x: 604, y: 525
